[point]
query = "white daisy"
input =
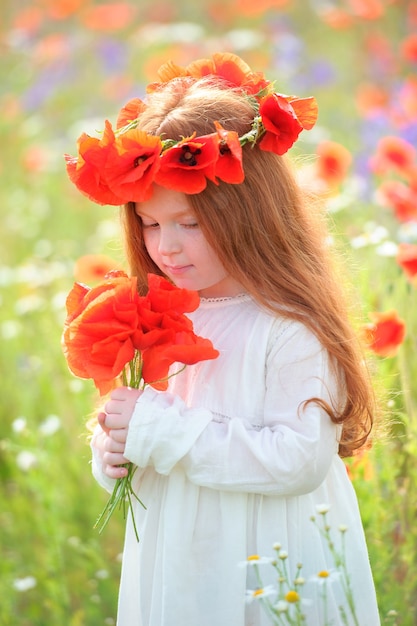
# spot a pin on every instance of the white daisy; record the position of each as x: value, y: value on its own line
x: 255, y: 559
x: 262, y: 592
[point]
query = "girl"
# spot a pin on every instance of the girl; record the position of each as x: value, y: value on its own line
x: 241, y: 450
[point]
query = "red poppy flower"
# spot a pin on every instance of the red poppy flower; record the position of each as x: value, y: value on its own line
x: 305, y: 109
x: 161, y: 313
x: 371, y: 98
x: 409, y: 48
x: 232, y: 69
x: 168, y: 71
x: 336, y: 18
x: 108, y: 325
x: 367, y: 9
x: 407, y: 259
x: 229, y: 164
x: 281, y: 124
x: 98, y: 330
x: 186, y: 166
x: 61, y: 9
x: 163, y: 295
x: 250, y: 8
x: 130, y: 171
x: 402, y: 198
x: 87, y: 172
x: 385, y: 334
x: 184, y: 347
x: 166, y: 335
x: 131, y: 111
x: 226, y: 65
x: 108, y: 17
x: 333, y: 162
x: 393, y: 154
x: 407, y: 96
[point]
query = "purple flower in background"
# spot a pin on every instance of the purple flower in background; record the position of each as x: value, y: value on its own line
x: 113, y: 55
x: 46, y: 85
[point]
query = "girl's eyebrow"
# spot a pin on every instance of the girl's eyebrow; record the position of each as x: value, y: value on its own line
x: 177, y: 215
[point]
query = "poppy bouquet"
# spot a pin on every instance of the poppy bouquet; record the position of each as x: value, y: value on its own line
x: 111, y: 333
x: 125, y: 162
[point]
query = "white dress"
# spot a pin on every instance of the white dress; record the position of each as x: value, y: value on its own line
x: 229, y: 464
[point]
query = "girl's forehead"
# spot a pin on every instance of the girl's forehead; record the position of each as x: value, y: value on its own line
x: 164, y: 201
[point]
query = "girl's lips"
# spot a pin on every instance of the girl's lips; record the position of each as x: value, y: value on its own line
x: 177, y: 269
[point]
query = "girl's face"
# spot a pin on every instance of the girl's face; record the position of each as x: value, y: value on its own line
x: 176, y: 244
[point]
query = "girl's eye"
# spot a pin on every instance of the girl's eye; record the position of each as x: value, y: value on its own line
x: 191, y: 225
x: 152, y: 225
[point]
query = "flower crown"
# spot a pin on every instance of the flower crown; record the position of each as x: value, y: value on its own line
x: 124, y: 163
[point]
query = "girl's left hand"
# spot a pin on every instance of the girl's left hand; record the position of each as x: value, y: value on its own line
x: 115, y: 421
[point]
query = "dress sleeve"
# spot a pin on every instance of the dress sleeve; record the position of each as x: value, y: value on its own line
x: 289, y: 455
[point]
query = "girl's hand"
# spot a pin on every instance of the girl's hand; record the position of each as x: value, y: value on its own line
x: 114, y: 421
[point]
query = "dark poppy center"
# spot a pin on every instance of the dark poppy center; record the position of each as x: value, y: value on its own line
x: 224, y: 149
x: 139, y: 160
x: 188, y: 156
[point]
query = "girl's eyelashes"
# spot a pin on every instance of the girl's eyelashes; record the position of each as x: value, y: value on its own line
x: 150, y: 225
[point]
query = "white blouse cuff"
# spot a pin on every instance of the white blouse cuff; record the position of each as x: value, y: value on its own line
x: 163, y: 430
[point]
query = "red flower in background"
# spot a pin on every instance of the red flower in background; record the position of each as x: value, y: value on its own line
x: 251, y: 8
x: 367, y: 9
x: 371, y: 99
x: 393, y: 154
x: 385, y: 334
x: 407, y: 259
x: 409, y: 48
x: 333, y: 163
x: 108, y: 17
x: 407, y: 96
x: 402, y: 198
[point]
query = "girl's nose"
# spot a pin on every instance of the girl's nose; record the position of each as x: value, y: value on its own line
x: 169, y: 242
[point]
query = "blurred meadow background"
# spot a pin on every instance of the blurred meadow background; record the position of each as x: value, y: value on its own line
x: 66, y: 65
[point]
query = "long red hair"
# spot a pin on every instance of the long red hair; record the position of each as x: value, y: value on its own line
x: 269, y: 235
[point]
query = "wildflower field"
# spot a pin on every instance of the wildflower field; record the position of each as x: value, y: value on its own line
x: 66, y: 65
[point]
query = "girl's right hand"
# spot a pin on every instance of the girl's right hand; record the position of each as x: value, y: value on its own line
x: 114, y: 422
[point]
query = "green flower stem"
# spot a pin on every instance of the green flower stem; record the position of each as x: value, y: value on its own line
x: 123, y: 489
x: 254, y: 133
x: 340, y: 563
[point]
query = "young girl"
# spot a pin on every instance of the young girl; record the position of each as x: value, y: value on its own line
x: 240, y: 451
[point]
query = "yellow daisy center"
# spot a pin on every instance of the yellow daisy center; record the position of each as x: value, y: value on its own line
x: 292, y: 596
x: 258, y: 592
